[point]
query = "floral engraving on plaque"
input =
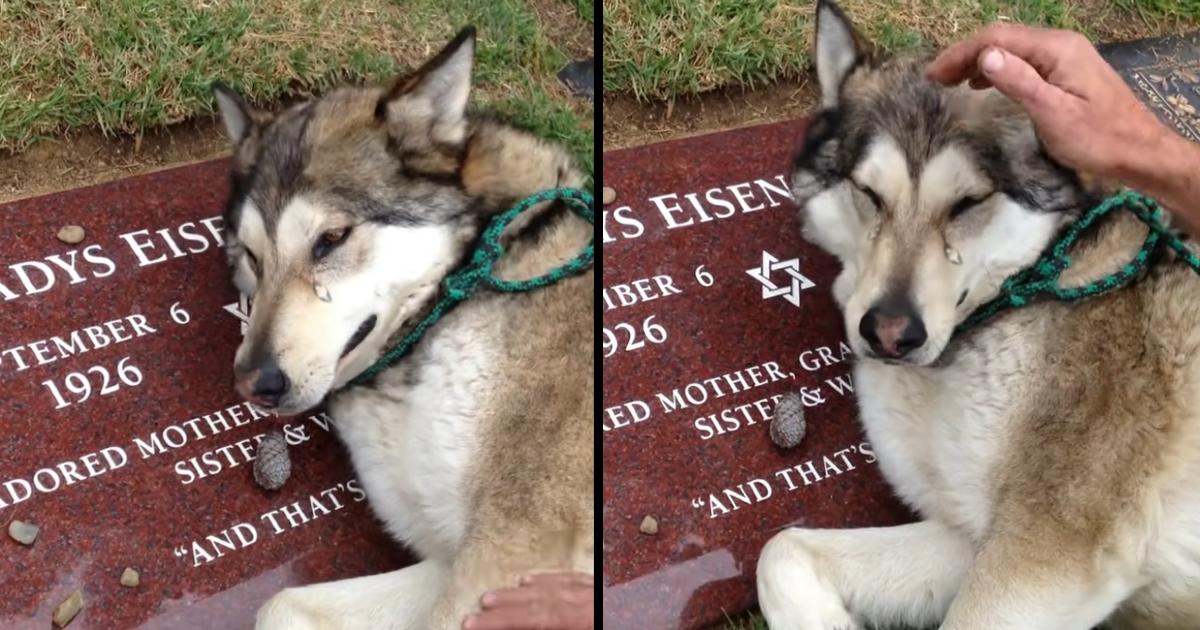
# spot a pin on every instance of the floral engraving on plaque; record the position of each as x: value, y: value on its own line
x: 793, y: 281
x: 1174, y: 94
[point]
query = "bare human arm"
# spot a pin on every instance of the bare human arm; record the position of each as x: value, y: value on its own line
x: 1083, y: 111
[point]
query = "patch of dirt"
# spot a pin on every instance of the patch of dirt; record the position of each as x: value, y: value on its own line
x: 628, y: 123
x: 87, y: 157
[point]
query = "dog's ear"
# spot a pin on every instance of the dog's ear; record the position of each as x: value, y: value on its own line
x: 238, y: 117
x: 433, y: 99
x: 839, y: 50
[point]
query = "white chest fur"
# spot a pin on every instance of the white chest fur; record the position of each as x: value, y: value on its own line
x: 414, y: 436
x: 939, y: 432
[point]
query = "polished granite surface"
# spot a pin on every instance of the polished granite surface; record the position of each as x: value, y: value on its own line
x: 121, y: 437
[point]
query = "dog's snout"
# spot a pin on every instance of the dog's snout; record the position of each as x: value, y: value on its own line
x: 264, y: 385
x: 892, y: 331
x: 272, y: 384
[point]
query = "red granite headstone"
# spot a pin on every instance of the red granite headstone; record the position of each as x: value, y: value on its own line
x: 121, y: 436
x: 713, y: 307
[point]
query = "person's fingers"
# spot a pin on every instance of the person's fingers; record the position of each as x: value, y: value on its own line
x: 1040, y: 47
x: 510, y: 597
x: 553, y: 579
x: 958, y: 62
x: 954, y: 64
x: 507, y: 619
x: 1019, y: 81
x: 543, y: 600
x: 979, y: 83
x: 541, y: 616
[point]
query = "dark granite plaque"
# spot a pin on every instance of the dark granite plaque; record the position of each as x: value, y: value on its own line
x: 713, y: 307
x: 121, y: 436
x: 1165, y: 73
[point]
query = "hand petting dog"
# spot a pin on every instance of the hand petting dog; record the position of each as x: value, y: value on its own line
x: 544, y: 601
x: 1085, y: 115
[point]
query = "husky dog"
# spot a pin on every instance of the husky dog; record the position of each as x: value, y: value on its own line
x: 476, y: 450
x: 1052, y: 451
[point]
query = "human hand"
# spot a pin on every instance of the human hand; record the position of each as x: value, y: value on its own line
x: 543, y: 601
x: 1084, y: 113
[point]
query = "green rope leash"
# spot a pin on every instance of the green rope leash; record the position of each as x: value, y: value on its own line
x: 462, y: 284
x: 1042, y: 278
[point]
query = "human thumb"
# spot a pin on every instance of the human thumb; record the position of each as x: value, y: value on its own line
x: 1017, y: 79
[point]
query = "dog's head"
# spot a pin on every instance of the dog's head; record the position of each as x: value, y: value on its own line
x: 348, y: 210
x: 929, y: 196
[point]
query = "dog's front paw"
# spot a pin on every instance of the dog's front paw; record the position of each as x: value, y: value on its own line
x: 791, y: 594
x: 287, y: 611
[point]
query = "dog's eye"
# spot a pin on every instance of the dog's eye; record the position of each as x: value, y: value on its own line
x: 966, y: 203
x: 252, y: 260
x: 872, y: 195
x: 328, y: 241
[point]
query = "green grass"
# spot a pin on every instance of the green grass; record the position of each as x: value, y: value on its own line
x: 126, y: 65
x: 1183, y: 10
x: 745, y: 621
x: 585, y: 9
x: 659, y: 49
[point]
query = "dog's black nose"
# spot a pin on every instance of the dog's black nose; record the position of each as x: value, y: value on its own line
x: 264, y: 385
x: 271, y: 384
x: 892, y: 331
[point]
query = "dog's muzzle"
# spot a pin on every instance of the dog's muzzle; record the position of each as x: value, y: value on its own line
x: 892, y: 331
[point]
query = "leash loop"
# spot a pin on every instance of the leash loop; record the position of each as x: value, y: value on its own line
x: 462, y: 284
x: 581, y: 203
x: 1042, y: 278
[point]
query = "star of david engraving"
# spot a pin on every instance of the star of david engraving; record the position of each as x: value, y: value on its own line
x: 794, y: 281
x: 241, y: 310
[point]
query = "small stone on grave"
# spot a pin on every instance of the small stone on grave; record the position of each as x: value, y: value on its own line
x: 130, y: 578
x: 22, y: 532
x: 67, y: 610
x: 649, y: 525
x: 71, y: 234
x: 788, y: 426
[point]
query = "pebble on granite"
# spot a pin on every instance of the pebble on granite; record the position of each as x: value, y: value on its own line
x: 22, y: 532
x: 67, y: 610
x: 130, y: 578
x: 272, y: 467
x: 610, y: 195
x: 71, y: 234
x: 788, y: 425
x: 649, y: 525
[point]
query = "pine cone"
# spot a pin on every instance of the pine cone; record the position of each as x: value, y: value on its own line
x: 272, y: 467
x: 788, y: 426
